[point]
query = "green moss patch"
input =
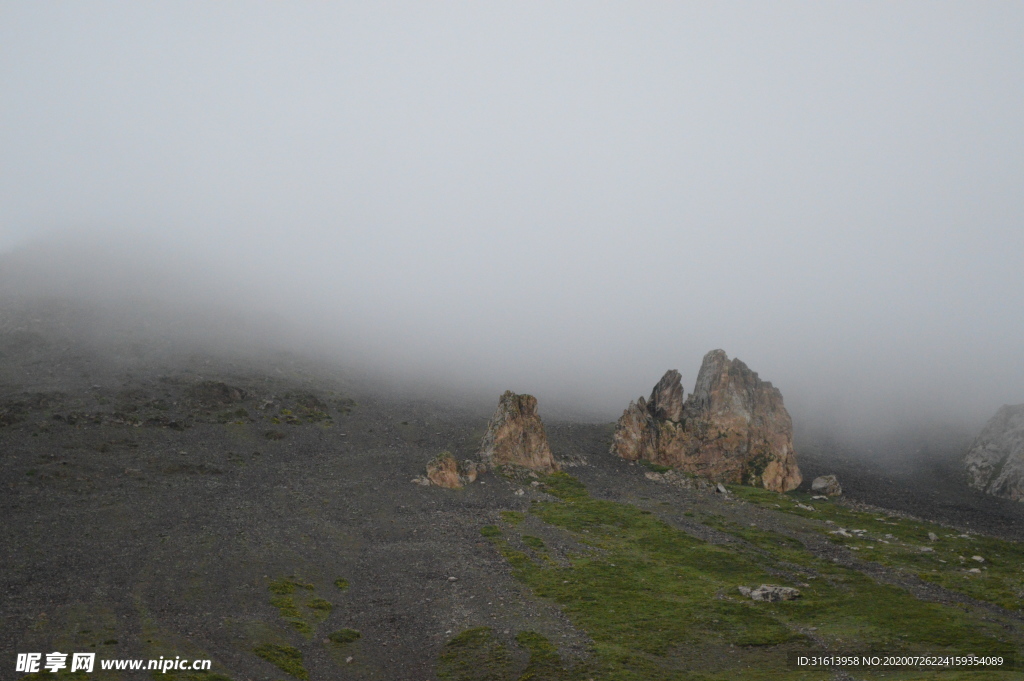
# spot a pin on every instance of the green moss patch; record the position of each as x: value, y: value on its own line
x: 534, y: 542
x: 304, y: 617
x: 475, y: 655
x: 659, y: 603
x: 478, y: 655
x: 343, y: 636
x: 908, y: 545
x: 285, y: 658
x: 512, y: 517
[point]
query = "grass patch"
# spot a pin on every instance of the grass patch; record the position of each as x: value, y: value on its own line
x: 475, y: 655
x: 341, y: 583
x: 534, y: 542
x: 513, y: 517
x: 908, y: 545
x: 657, y: 468
x: 661, y: 604
x: 343, y: 636
x: 544, y: 660
x: 316, y: 609
x: 321, y: 607
x: 490, y: 531
x: 285, y: 658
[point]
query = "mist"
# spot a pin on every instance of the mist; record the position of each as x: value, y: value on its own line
x: 565, y: 200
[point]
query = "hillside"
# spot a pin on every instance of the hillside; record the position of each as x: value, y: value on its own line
x: 258, y: 511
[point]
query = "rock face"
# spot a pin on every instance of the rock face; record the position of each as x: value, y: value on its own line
x: 666, y: 403
x: 733, y: 428
x: 515, y: 435
x: 827, y: 485
x: 995, y: 462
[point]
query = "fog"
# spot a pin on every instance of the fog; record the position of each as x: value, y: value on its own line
x: 563, y: 199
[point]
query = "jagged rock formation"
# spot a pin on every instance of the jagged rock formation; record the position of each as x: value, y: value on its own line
x: 733, y: 428
x: 995, y: 462
x: 827, y: 485
x: 515, y: 435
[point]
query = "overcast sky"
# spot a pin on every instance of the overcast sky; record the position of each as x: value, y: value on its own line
x: 558, y: 198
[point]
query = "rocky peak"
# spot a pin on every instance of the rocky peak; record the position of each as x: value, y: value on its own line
x: 732, y: 428
x: 666, y: 401
x: 995, y: 462
x: 515, y: 435
x: 729, y: 387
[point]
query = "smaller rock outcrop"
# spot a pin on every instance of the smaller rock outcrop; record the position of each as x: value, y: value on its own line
x: 827, y: 485
x: 217, y: 394
x: 444, y: 471
x: 995, y: 462
x: 515, y: 436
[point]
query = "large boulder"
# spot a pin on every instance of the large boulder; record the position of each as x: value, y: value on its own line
x: 443, y: 471
x: 732, y: 428
x: 995, y: 462
x: 515, y: 435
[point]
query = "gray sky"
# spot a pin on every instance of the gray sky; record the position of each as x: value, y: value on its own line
x: 565, y: 199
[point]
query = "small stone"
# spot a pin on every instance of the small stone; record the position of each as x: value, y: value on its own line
x: 978, y: 558
x: 720, y: 488
x: 535, y: 483
x: 453, y: 579
x: 770, y: 593
x: 827, y: 485
x: 348, y: 659
x: 520, y: 492
x: 975, y: 570
x: 933, y: 537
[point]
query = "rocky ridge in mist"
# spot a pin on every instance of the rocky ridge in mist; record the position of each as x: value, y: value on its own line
x: 995, y: 462
x: 733, y: 428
